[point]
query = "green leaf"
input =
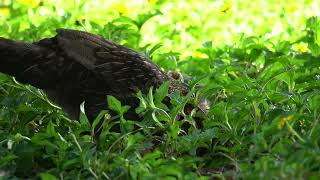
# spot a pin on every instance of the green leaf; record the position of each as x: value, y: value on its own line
x: 51, y: 130
x: 142, y: 105
x: 150, y: 98
x: 143, y: 18
x: 114, y: 104
x: 155, y: 119
x: 97, y: 120
x: 125, y: 19
x: 5, y: 160
x: 162, y: 92
x: 174, y: 130
x: 124, y: 109
x: 154, y: 48
x: 70, y: 164
x: 84, y: 121
x: 47, y: 176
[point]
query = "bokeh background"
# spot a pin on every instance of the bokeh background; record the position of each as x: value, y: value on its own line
x: 182, y: 25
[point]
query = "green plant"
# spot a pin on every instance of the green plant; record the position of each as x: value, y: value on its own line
x: 263, y: 120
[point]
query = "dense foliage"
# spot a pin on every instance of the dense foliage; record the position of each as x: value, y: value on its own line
x: 263, y: 120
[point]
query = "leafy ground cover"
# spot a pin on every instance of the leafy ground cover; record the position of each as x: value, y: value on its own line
x: 259, y: 68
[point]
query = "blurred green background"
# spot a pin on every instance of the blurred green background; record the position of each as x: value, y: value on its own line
x: 183, y: 25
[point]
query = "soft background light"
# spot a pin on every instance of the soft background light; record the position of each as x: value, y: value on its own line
x: 191, y: 22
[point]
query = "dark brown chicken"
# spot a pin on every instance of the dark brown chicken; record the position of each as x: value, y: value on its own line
x: 76, y: 66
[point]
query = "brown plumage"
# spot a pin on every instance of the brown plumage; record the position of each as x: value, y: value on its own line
x: 76, y: 66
